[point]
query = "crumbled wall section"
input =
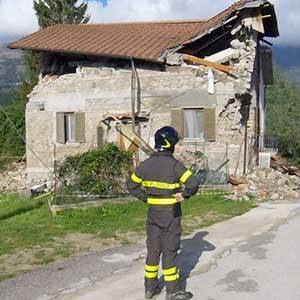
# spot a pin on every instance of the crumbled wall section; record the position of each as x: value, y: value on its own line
x: 98, y: 91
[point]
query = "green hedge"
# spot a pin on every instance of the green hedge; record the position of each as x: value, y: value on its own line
x: 96, y: 172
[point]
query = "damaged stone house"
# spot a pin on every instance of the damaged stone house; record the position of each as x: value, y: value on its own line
x: 205, y: 77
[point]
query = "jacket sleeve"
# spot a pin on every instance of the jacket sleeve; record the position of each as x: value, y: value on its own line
x: 134, y: 185
x: 190, y: 182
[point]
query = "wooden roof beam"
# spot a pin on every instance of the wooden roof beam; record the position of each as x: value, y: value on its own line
x: 200, y: 61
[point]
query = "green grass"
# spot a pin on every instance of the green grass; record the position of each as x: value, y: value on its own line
x: 210, y: 209
x: 11, y: 205
x: 6, y: 276
x: 27, y: 223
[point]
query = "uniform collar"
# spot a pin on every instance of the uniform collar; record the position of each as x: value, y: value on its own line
x: 163, y: 153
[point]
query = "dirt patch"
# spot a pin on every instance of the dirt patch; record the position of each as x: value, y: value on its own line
x: 82, y: 242
x: 71, y: 245
x: 14, y: 178
x: 129, y: 237
x: 193, y: 221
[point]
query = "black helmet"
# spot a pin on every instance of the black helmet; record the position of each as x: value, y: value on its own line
x: 166, y: 138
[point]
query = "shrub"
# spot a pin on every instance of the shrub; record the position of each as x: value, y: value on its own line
x: 97, y: 172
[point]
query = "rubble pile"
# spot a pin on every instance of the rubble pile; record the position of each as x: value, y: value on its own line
x: 13, y: 179
x: 282, y: 181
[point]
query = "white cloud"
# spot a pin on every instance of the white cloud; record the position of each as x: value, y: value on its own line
x: 137, y: 10
x: 289, y: 21
x: 17, y: 16
x: 130, y: 10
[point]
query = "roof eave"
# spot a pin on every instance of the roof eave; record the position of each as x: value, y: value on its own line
x: 152, y: 60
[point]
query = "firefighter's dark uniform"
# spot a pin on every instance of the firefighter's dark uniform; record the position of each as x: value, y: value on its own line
x: 155, y: 181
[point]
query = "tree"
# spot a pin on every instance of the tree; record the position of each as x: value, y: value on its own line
x: 283, y: 115
x: 51, y: 12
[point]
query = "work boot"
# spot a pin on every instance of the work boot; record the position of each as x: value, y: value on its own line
x: 180, y: 295
x: 151, y: 294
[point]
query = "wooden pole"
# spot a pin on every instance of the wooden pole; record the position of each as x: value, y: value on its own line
x: 133, y: 82
x: 139, y: 100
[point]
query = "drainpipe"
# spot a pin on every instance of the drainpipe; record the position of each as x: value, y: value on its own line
x: 245, y: 146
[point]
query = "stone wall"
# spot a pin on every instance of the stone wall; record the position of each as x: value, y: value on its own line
x: 98, y: 91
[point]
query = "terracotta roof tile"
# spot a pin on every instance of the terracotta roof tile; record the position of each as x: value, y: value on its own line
x: 141, y: 40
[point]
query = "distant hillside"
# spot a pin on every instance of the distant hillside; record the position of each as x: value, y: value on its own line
x: 11, y: 67
x: 287, y: 58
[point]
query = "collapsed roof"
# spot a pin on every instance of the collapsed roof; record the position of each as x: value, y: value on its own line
x: 149, y: 41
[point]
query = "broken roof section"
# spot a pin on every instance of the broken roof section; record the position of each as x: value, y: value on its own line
x: 148, y: 41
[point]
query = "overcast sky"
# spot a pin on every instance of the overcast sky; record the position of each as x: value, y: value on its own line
x: 17, y: 17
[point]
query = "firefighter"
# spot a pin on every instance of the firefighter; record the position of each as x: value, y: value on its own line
x: 159, y: 181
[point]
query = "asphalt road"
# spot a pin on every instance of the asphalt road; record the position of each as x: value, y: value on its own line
x: 254, y: 256
x: 264, y: 267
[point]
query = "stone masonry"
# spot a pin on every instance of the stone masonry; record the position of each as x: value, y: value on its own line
x: 97, y: 91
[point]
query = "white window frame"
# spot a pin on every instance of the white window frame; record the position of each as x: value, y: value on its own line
x: 191, y: 139
x: 69, y: 127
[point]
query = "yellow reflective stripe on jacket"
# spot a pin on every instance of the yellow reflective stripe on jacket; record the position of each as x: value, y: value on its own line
x: 136, y: 179
x: 161, y: 201
x: 151, y: 275
x: 170, y: 271
x: 186, y: 176
x: 151, y: 268
x: 161, y: 185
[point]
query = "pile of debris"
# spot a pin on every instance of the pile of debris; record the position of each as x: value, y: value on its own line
x: 280, y: 182
x: 284, y: 167
x: 13, y: 179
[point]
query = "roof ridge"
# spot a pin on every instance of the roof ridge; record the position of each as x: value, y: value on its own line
x: 236, y: 4
x: 180, y: 21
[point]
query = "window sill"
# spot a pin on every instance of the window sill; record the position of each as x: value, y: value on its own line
x: 68, y: 144
x: 193, y: 140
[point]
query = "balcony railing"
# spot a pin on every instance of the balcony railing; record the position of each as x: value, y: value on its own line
x: 269, y: 143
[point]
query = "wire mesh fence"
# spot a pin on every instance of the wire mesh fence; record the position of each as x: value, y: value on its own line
x: 209, y: 171
x: 95, y: 176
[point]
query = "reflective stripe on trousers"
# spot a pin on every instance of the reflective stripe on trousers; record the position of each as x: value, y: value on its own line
x: 171, y: 274
x: 151, y: 272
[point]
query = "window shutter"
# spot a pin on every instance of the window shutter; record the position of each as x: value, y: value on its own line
x: 177, y: 120
x: 210, y: 124
x: 60, y: 128
x: 100, y: 136
x: 267, y: 65
x: 79, y: 127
